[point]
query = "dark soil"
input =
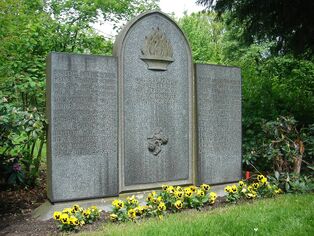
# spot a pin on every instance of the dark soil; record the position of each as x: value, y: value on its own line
x: 16, y: 206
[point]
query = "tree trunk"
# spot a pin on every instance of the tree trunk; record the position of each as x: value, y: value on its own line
x: 297, y: 165
x: 298, y: 159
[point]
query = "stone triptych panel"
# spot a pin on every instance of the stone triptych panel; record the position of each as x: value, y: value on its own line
x: 83, y: 134
x: 134, y: 121
x: 155, y: 77
x: 218, y: 123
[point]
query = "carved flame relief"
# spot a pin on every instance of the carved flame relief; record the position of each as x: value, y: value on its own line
x: 157, y: 51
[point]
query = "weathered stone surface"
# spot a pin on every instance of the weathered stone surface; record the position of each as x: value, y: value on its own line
x: 124, y: 123
x: 82, y: 115
x: 155, y: 100
x: 218, y: 97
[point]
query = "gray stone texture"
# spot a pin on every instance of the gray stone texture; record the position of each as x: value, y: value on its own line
x: 82, y: 136
x: 152, y: 100
x: 142, y: 118
x: 218, y: 97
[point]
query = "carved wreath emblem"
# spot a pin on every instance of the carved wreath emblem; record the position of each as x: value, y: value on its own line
x: 156, y: 141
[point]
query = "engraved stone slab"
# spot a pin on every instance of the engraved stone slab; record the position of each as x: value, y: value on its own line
x: 218, y: 98
x: 155, y: 100
x: 82, y: 136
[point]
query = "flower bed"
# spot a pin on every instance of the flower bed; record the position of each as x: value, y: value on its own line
x: 70, y: 219
x: 258, y: 188
x: 170, y: 199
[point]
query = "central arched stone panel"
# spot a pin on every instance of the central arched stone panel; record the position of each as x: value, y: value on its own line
x: 155, y: 103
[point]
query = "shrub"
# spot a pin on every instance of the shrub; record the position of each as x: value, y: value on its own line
x: 282, y: 147
x: 20, y: 133
x: 293, y: 183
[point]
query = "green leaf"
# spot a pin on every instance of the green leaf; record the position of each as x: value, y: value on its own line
x: 277, y: 175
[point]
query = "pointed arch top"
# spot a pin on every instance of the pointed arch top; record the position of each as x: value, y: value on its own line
x: 119, y: 42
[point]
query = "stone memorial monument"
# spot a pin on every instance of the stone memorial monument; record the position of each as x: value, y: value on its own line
x: 144, y: 117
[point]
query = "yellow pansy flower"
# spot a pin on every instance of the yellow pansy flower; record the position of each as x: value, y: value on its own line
x: 193, y: 188
x: 251, y: 195
x: 234, y: 188
x: 178, y: 204
x: 211, y: 202
x: 213, y: 195
x: 132, y: 214
x: 162, y: 206
x: 255, y: 185
x: 64, y: 218
x: 132, y: 200
x: 179, y: 189
x: 149, y: 197
x: 264, y: 180
x: 159, y: 199
x: 86, y: 212
x: 205, y: 187
x: 76, y: 207
x: 118, y: 203
x: 188, y: 193
x: 200, y: 193
x: 228, y: 189
x: 164, y: 187
x: 250, y: 188
x: 56, y: 215
x: 67, y: 210
x: 260, y: 177
x: 73, y: 220
x: 179, y: 194
x: 113, y: 217
x: 241, y: 183
x: 135, y: 202
x: 170, y: 189
x: 138, y: 210
x: 187, y: 189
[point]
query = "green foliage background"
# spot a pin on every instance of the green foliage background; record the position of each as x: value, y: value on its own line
x: 273, y: 84
x: 29, y: 31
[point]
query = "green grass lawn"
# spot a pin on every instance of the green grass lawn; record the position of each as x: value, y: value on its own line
x: 284, y: 215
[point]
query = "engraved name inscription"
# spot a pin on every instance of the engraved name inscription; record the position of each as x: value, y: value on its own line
x: 220, y: 102
x: 82, y: 101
